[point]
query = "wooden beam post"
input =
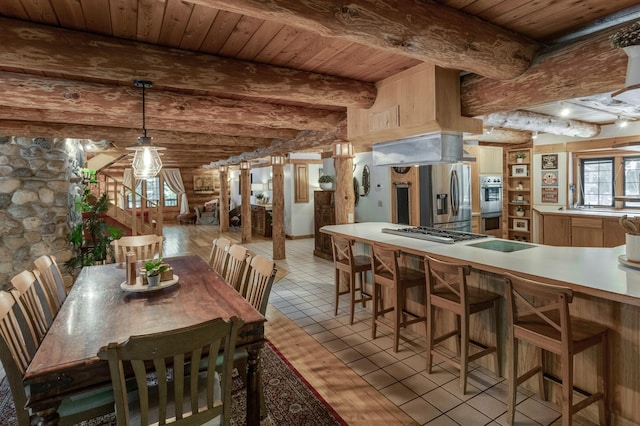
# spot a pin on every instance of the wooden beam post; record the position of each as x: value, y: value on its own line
x: 344, y: 195
x: 277, y: 204
x: 224, y: 199
x: 245, y: 203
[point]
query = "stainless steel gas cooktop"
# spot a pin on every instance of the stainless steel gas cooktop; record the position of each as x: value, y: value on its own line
x: 439, y: 235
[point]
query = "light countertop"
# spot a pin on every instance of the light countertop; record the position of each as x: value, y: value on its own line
x: 588, y: 270
x: 595, y: 212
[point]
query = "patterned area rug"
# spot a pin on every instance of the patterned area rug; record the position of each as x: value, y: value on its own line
x: 289, y: 398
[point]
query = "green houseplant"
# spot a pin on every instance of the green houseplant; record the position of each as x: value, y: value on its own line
x: 153, y: 269
x: 91, y: 238
x: 326, y: 182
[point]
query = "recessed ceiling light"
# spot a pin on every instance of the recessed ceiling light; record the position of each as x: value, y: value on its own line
x: 534, y: 135
x: 621, y: 122
x: 565, y: 111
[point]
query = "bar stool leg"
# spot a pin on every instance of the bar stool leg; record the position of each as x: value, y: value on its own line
x: 542, y: 391
x: 363, y: 282
x: 352, y: 292
x: 429, y: 324
x: 337, y: 281
x: 464, y: 353
x: 374, y: 316
x: 496, y: 321
x: 397, y: 316
x: 604, y: 406
x: 567, y: 388
x: 512, y: 374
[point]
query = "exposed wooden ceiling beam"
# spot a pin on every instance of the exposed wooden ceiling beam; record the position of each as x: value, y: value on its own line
x: 501, y: 136
x: 543, y: 123
x: 422, y: 30
x: 585, y: 67
x: 128, y: 137
x: 36, y: 48
x: 107, y: 119
x: 27, y: 91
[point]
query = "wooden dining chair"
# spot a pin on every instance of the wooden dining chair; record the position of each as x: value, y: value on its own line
x: 16, y: 352
x: 187, y: 396
x: 352, y: 266
x: 388, y: 274
x: 144, y: 246
x: 219, y: 254
x: 538, y: 314
x: 237, y: 264
x: 52, y: 282
x: 447, y: 290
x: 24, y: 289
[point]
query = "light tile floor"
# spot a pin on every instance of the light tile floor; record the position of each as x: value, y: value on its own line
x: 306, y: 294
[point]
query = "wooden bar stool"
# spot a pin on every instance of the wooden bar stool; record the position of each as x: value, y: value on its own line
x: 387, y: 274
x: 447, y: 289
x: 539, y: 314
x: 358, y: 265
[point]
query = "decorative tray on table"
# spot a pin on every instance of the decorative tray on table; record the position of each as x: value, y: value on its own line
x: 140, y: 288
x: 626, y: 262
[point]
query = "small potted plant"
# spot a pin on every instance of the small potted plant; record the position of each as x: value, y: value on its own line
x: 520, y: 157
x: 326, y: 182
x: 153, y: 269
x: 520, y: 211
x: 629, y: 39
x: 259, y: 197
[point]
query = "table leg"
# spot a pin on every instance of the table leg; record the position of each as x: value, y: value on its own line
x: 46, y: 417
x: 254, y: 381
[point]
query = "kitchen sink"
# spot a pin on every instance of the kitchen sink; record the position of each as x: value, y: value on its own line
x: 504, y: 246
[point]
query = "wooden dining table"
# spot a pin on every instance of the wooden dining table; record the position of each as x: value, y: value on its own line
x: 97, y: 312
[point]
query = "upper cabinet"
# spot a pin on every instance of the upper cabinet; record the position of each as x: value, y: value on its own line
x: 489, y: 160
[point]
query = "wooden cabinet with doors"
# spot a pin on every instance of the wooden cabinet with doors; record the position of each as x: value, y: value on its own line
x: 518, y: 195
x: 324, y: 214
x: 581, y: 229
x: 261, y: 220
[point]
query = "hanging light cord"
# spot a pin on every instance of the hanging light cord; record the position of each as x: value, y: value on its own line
x: 144, y: 127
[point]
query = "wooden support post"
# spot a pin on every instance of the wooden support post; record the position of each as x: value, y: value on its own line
x: 277, y: 204
x: 344, y: 195
x: 224, y: 200
x: 245, y: 193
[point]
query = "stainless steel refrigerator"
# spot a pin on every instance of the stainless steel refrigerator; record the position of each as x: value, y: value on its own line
x: 445, y: 196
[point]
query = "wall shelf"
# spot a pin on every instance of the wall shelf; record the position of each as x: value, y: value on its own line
x: 519, y: 228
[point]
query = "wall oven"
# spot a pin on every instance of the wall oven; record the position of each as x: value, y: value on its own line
x: 491, y: 196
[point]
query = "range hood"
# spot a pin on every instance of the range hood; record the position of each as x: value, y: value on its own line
x: 428, y: 148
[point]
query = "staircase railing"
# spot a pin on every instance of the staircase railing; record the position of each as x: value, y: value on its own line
x: 146, y: 219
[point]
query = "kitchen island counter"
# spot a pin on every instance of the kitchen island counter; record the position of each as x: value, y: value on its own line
x: 604, y: 291
x: 593, y: 271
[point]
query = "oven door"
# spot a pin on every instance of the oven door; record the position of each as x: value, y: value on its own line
x: 490, y: 199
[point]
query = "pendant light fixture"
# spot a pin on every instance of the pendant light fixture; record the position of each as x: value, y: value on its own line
x: 146, y: 160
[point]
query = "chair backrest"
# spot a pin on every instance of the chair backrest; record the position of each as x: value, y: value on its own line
x: 342, y: 251
x: 15, y: 354
x: 24, y: 289
x: 144, y: 246
x: 257, y: 285
x: 219, y: 253
x: 52, y: 282
x: 447, y: 277
x: 384, y: 265
x: 194, y: 403
x: 533, y: 302
x: 236, y: 266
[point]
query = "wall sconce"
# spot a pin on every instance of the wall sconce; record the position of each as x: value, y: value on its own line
x: 534, y: 135
x: 342, y: 150
x: 245, y: 165
x: 277, y: 160
x: 222, y: 169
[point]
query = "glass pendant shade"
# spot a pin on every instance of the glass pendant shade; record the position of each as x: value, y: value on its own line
x: 146, y: 162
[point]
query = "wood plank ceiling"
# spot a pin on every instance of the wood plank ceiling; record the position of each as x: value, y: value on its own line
x: 249, y: 77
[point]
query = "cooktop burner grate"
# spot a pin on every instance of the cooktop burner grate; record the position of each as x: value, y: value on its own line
x: 434, y: 234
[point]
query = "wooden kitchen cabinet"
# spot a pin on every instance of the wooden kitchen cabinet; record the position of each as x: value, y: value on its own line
x: 557, y: 230
x: 586, y: 232
x: 612, y: 233
x: 260, y: 220
x: 324, y: 214
x: 489, y: 160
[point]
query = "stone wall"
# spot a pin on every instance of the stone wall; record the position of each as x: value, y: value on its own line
x: 39, y: 180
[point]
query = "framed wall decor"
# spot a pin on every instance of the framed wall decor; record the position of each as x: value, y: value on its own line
x: 270, y: 184
x: 520, y: 224
x: 203, y: 184
x: 519, y: 170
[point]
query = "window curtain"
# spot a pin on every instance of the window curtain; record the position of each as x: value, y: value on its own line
x: 128, y: 186
x: 173, y: 178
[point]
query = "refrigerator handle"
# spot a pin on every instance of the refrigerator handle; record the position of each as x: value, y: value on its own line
x: 454, y: 190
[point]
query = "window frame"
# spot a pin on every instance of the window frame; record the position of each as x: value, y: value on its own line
x: 610, y: 160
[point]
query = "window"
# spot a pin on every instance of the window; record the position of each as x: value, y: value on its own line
x: 632, y: 179
x: 152, y: 192
x: 597, y: 182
